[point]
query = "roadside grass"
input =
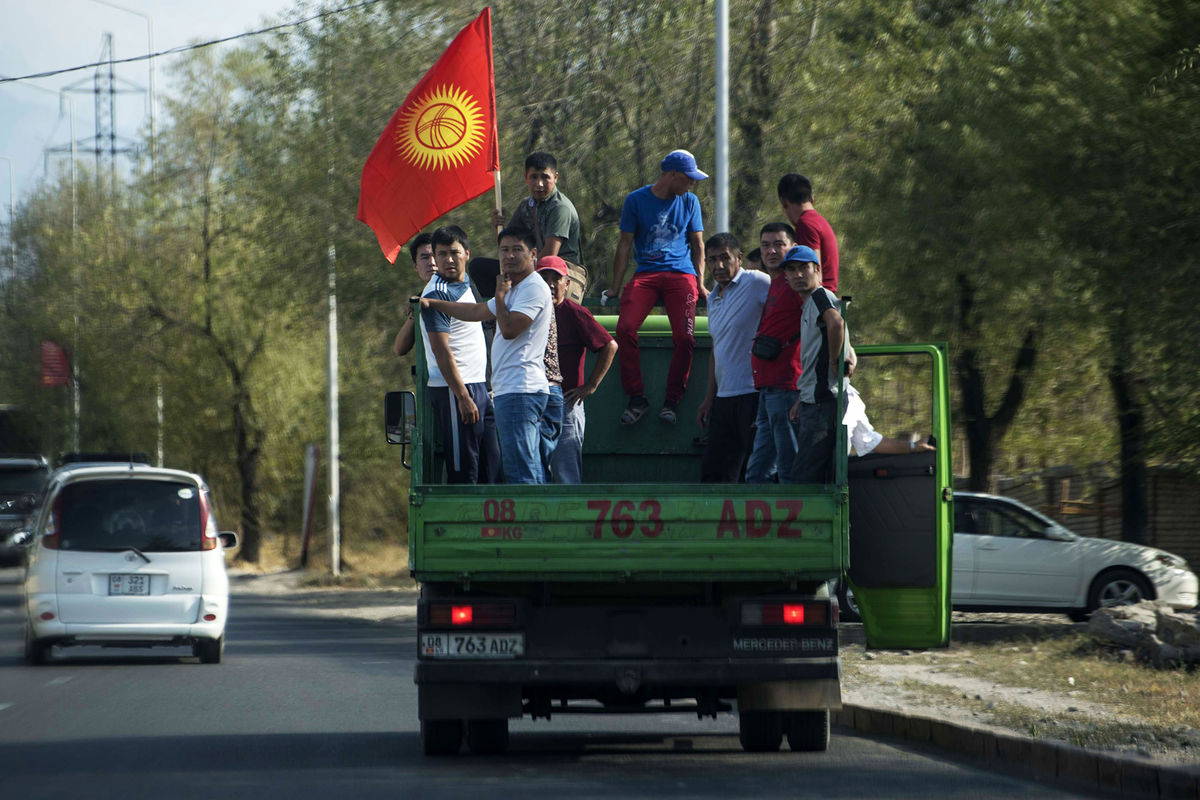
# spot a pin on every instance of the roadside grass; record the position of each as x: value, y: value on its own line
x: 1154, y: 709
x: 369, y: 564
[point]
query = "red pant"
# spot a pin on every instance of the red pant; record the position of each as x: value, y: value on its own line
x: 677, y: 290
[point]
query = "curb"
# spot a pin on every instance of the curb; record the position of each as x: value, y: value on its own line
x: 1041, y: 760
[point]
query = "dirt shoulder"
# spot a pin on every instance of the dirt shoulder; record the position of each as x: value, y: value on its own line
x: 1036, y: 677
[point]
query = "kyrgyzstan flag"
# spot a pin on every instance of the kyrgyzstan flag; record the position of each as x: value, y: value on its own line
x: 55, y: 365
x: 440, y: 149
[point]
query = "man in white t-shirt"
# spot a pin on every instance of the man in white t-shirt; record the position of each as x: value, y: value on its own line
x: 522, y: 309
x: 456, y: 356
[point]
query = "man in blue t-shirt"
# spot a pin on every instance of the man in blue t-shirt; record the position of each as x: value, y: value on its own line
x: 661, y: 225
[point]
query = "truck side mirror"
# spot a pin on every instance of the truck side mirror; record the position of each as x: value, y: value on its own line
x: 399, y: 417
x: 399, y: 421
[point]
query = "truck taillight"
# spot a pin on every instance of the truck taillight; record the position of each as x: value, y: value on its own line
x: 809, y: 613
x: 473, y: 614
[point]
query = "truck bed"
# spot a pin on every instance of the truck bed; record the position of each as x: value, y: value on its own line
x: 640, y: 514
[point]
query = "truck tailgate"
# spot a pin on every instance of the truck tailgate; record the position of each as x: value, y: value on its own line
x: 633, y: 531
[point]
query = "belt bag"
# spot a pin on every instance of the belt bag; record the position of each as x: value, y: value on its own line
x: 766, y: 347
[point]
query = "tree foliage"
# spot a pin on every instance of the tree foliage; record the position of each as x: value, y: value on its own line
x: 1016, y: 177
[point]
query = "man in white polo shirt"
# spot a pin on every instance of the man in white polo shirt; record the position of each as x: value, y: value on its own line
x: 522, y: 309
x: 735, y: 306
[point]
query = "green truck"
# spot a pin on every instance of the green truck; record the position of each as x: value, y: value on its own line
x: 643, y: 590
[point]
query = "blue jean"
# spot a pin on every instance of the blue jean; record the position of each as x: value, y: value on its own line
x: 568, y: 456
x: 774, y: 437
x: 518, y: 426
x: 551, y: 430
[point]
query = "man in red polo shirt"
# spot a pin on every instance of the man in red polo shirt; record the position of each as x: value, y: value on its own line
x: 812, y: 230
x: 776, y: 378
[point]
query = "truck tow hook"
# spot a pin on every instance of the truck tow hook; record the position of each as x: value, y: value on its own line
x: 629, y: 681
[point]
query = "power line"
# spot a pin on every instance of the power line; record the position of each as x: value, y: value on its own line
x: 188, y: 47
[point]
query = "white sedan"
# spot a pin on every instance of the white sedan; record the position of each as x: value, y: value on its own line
x: 1008, y: 556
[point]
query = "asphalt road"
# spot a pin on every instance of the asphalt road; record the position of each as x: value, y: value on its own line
x: 317, y: 707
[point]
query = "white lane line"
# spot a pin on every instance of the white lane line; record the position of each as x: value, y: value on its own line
x: 5, y: 705
x: 58, y: 682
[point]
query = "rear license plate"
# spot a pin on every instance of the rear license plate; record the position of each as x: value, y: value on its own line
x: 459, y: 645
x: 129, y: 584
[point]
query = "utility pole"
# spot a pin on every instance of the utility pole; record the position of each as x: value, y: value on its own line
x: 335, y: 463
x: 150, y: 102
x: 104, y: 89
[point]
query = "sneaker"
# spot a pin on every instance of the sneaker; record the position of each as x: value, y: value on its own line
x: 634, y: 411
x: 667, y: 414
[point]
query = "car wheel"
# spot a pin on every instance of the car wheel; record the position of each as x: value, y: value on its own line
x: 847, y: 607
x: 808, y: 731
x: 760, y: 731
x: 1118, y: 587
x: 441, y: 737
x: 487, y: 736
x: 37, y: 652
x: 209, y: 651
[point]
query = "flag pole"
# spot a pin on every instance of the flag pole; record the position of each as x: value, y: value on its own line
x: 499, y: 211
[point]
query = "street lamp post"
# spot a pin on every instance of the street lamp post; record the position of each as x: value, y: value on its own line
x: 75, y: 405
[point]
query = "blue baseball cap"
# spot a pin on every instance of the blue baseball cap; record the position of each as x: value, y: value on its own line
x: 801, y: 254
x: 685, y: 162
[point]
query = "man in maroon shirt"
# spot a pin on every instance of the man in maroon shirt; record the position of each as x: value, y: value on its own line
x: 812, y: 230
x: 578, y: 332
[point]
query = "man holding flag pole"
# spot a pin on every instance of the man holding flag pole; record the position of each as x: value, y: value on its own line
x: 438, y: 151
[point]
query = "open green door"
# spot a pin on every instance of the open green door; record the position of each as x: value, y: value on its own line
x: 901, y: 506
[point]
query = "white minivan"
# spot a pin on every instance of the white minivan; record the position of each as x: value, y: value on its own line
x: 126, y: 555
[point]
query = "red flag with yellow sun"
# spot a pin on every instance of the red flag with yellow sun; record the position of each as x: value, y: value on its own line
x: 440, y: 149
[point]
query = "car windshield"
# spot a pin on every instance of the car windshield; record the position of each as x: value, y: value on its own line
x: 149, y: 515
x: 22, y: 480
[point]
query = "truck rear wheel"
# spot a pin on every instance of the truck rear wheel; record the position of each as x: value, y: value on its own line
x: 441, y: 737
x: 808, y: 731
x: 487, y: 736
x: 760, y: 731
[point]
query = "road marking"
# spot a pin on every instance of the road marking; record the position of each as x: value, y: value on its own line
x: 5, y: 705
x: 58, y: 682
